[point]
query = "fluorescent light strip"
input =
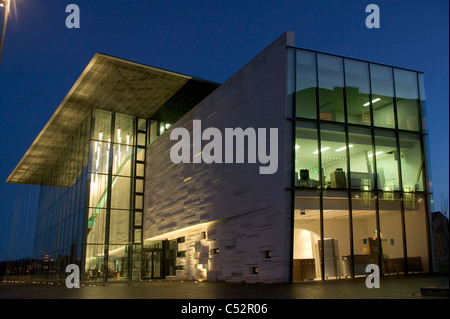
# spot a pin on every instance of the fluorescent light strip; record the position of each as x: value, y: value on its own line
x: 343, y: 148
x: 373, y: 101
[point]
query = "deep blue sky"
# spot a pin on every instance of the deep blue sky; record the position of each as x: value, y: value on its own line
x: 42, y: 59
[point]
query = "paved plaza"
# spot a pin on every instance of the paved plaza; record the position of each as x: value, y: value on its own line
x: 395, y: 287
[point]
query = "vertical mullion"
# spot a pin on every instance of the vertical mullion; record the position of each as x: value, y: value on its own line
x: 377, y: 207
x: 400, y: 178
x: 293, y: 136
x: 349, y: 191
x: 318, y: 127
x: 108, y: 200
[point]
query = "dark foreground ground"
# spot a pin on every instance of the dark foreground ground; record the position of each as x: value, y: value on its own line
x: 395, y: 287
x: 189, y: 299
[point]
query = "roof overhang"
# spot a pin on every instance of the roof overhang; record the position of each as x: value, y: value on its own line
x: 114, y: 85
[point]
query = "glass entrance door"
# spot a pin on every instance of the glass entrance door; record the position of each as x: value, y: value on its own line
x: 152, y: 263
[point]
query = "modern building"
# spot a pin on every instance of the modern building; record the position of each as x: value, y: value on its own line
x: 350, y: 185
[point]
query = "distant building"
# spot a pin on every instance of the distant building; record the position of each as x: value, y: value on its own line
x: 440, y: 240
x: 350, y: 189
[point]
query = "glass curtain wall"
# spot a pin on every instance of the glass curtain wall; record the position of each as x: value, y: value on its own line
x: 359, y: 168
x: 61, y: 211
x: 112, y: 181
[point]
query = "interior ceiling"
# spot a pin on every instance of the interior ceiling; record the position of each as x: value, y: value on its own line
x: 114, y: 85
x: 337, y: 214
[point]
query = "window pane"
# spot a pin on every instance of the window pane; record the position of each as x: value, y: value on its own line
x: 306, y: 264
x: 306, y: 82
x: 120, y: 194
x: 124, y: 125
x: 407, y: 97
x: 365, y: 243
x: 138, y: 202
x: 336, y: 235
x: 421, y: 87
x: 387, y: 161
x: 119, y: 227
x: 96, y: 226
x: 291, y: 90
x: 357, y: 91
x: 138, y: 235
x: 331, y: 88
x: 140, y: 154
x: 391, y: 233
x: 142, y: 124
x: 416, y: 232
x: 98, y: 190
x: 153, y: 130
x: 94, y: 262
x: 100, y: 152
x: 137, y: 218
x: 118, y: 262
x: 411, y: 160
x: 139, y: 170
x: 141, y: 139
x: 122, y: 160
x: 361, y: 164
x: 306, y: 156
x: 334, y: 156
x: 139, y: 186
x: 382, y: 96
x: 101, y: 125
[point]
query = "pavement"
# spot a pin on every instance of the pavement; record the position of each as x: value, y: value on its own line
x: 184, y: 299
x: 393, y: 287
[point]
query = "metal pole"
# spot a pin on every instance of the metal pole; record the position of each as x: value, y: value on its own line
x: 5, y: 21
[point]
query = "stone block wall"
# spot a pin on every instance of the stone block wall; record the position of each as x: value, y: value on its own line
x: 245, y: 214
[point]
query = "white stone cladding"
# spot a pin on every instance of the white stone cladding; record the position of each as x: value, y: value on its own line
x: 245, y: 215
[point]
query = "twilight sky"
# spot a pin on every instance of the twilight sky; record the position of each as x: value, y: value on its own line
x: 212, y: 40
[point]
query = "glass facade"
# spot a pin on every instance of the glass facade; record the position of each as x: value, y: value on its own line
x: 61, y: 210
x: 90, y: 209
x: 359, y: 172
x: 116, y: 178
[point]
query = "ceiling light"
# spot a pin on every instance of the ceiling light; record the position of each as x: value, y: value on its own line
x: 297, y: 147
x: 343, y: 148
x: 373, y: 101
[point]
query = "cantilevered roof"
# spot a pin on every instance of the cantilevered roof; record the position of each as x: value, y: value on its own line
x: 114, y: 85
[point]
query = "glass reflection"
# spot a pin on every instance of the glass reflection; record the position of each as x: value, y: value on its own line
x: 382, y: 95
x: 407, y: 98
x: 365, y: 232
x: 306, y: 156
x: 306, y: 263
x: 306, y: 84
x: 387, y: 161
x: 416, y: 233
x: 331, y: 88
x: 411, y: 162
x: 336, y: 242
x: 391, y: 233
x: 357, y: 92
x: 361, y: 164
x: 334, y: 156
